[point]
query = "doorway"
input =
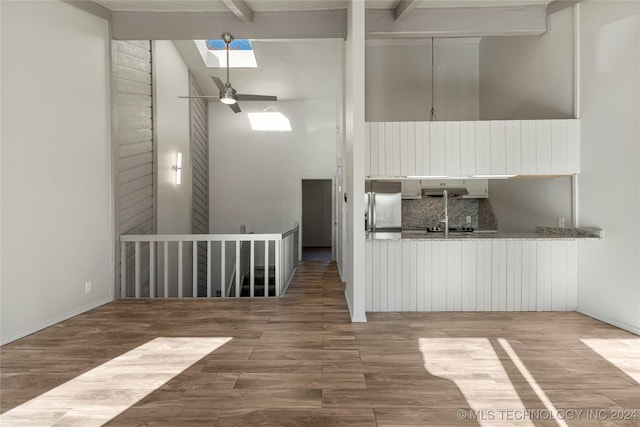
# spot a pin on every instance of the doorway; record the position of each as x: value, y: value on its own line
x: 317, y: 220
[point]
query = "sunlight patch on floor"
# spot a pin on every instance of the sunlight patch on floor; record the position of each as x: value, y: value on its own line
x: 532, y: 382
x: 98, y: 395
x: 624, y: 354
x: 473, y: 365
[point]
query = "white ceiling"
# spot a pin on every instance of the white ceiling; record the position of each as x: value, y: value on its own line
x: 218, y: 5
x: 271, y: 5
x: 163, y: 6
x: 428, y: 4
x: 284, y: 5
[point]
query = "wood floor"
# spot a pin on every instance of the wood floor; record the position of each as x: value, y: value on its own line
x: 299, y: 361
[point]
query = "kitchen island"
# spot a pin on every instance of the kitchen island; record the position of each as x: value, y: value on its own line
x: 419, y: 271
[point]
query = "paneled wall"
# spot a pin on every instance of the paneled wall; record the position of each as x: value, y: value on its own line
x: 199, y: 118
x: 132, y: 131
x: 471, y: 275
x: 199, y: 114
x: 496, y: 147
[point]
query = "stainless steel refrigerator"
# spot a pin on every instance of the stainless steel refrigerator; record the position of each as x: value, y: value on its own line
x: 383, y: 206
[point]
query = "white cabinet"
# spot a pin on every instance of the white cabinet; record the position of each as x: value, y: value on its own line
x: 443, y: 183
x: 411, y: 189
x: 477, y: 188
x: 495, y: 147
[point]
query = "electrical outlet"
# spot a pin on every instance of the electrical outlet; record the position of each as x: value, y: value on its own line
x: 87, y: 287
x: 561, y: 222
x: 468, y: 219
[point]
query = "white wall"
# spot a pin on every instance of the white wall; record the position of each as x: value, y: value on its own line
x: 524, y: 204
x: 609, y: 270
x: 255, y: 177
x: 353, y: 154
x: 398, y: 79
x: 172, y: 130
x: 529, y: 78
x: 341, y: 180
x: 171, y: 78
x: 57, y: 230
x: 1, y: 198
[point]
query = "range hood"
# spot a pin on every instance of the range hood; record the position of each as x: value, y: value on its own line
x: 451, y: 191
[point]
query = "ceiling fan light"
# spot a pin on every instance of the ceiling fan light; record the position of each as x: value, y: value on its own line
x: 228, y: 98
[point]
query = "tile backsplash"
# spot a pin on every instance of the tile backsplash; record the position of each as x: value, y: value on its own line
x: 423, y: 213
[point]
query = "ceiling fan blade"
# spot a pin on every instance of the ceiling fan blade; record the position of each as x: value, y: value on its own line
x: 235, y: 107
x: 200, y: 97
x: 218, y: 83
x: 245, y: 97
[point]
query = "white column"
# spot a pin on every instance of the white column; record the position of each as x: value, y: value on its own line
x: 355, y: 158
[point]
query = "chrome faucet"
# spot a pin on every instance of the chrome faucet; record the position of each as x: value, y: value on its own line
x: 445, y: 220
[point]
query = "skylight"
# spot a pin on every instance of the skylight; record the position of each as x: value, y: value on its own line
x: 215, y: 56
x: 269, y: 121
x: 236, y: 44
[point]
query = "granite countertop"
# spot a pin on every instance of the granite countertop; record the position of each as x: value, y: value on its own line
x: 542, y: 233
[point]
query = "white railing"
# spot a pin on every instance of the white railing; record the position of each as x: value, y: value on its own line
x: 166, y: 254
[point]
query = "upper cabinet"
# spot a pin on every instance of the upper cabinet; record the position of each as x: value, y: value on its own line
x: 472, y: 148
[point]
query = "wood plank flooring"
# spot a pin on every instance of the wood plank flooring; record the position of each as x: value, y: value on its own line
x: 299, y: 361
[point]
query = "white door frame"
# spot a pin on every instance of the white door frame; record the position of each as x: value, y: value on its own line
x: 333, y: 214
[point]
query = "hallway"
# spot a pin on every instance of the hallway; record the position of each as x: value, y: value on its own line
x: 299, y: 361
x: 316, y: 254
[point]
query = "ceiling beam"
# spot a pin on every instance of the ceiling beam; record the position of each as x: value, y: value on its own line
x: 404, y: 8
x: 205, y: 25
x: 240, y: 9
x: 458, y: 22
x: 90, y: 7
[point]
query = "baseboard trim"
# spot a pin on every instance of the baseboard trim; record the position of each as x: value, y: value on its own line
x: 54, y: 320
x: 355, y: 318
x: 286, y: 286
x: 359, y: 319
x: 616, y: 323
x: 346, y: 298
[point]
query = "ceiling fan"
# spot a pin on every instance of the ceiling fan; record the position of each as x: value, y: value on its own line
x: 228, y: 94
